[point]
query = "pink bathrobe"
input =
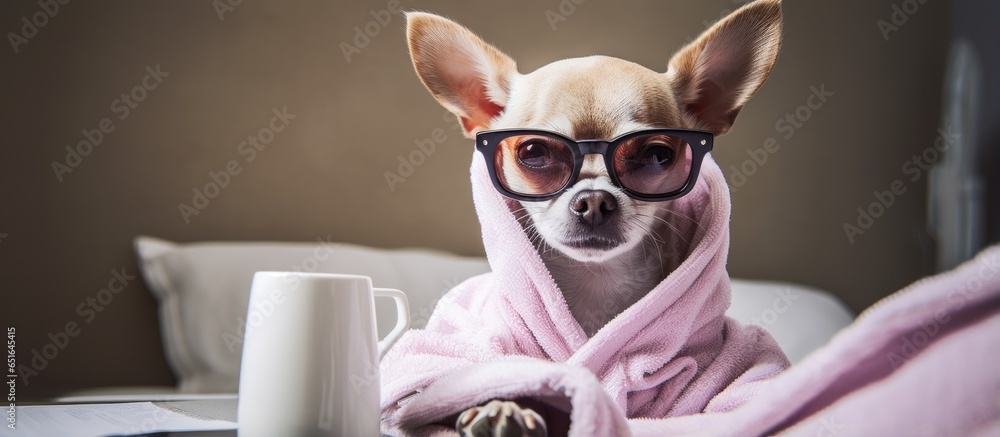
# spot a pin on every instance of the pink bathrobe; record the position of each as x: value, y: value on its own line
x: 924, y: 361
x: 510, y: 334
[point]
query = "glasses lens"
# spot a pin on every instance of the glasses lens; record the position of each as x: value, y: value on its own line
x: 533, y: 165
x: 653, y: 164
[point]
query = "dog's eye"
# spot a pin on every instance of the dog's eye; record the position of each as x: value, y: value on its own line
x: 657, y: 154
x: 534, y: 154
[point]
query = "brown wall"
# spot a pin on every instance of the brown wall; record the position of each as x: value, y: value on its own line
x: 324, y: 173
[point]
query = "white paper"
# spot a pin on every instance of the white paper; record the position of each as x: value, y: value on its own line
x: 144, y: 397
x: 96, y: 420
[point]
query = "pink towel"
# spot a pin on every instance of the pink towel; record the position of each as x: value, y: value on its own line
x: 509, y: 334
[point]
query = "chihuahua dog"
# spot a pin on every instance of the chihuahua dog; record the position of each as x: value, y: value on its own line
x: 599, y: 230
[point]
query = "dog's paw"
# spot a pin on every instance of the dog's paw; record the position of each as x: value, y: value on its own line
x: 500, y: 419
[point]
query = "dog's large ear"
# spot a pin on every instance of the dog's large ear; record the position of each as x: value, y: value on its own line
x: 714, y: 76
x: 467, y: 76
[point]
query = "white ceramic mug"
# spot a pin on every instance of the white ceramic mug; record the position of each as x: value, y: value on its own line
x: 311, y: 355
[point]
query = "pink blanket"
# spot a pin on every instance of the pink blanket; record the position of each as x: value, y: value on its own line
x: 924, y: 361
x: 509, y: 334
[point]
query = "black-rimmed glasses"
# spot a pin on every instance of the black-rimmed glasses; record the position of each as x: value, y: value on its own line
x: 651, y: 165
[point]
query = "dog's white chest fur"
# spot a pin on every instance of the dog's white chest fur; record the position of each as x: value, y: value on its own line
x: 597, y: 292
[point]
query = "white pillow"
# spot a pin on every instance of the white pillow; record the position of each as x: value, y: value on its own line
x: 204, y: 288
x: 800, y: 319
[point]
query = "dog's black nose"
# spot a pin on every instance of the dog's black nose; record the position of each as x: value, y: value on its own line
x: 593, y: 206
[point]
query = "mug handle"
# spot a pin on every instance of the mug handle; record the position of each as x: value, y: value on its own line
x: 402, y: 317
